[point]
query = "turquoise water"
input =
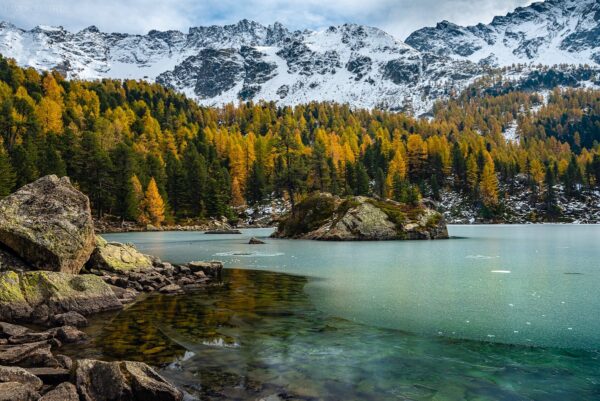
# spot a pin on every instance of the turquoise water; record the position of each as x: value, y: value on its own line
x: 495, y: 313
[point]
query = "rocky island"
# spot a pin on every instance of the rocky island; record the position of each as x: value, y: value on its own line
x: 54, y: 271
x: 323, y: 216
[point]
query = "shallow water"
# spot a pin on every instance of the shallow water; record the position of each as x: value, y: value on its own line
x: 497, y: 313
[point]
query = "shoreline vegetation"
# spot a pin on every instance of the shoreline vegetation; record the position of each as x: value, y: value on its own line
x: 54, y: 271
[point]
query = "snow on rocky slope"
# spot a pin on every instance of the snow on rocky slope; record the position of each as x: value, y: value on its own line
x: 354, y: 64
x: 549, y: 33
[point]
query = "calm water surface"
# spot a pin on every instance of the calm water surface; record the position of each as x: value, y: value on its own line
x: 496, y: 313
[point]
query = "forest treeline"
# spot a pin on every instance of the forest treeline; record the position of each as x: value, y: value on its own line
x: 146, y: 153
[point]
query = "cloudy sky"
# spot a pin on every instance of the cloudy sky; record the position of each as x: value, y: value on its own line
x: 398, y: 17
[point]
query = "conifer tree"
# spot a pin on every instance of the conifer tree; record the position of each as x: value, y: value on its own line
x: 362, y: 180
x: 488, y: 187
x: 154, y: 205
x: 135, y: 201
x: 7, y: 173
x: 256, y: 185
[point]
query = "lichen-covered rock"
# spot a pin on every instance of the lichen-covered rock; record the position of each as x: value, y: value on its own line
x: 27, y: 355
x: 13, y: 305
x: 19, y: 375
x: 48, y: 223
x: 97, y: 380
x: 116, y: 257
x: 13, y: 391
x: 63, y: 392
x: 38, y: 295
x: 326, y: 217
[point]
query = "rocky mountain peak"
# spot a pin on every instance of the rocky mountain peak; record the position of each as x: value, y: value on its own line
x: 551, y: 32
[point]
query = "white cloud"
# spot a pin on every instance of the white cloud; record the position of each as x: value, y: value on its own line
x: 398, y: 17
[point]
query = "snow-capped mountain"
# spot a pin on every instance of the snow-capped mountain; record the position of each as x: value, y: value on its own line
x: 356, y: 64
x: 549, y: 33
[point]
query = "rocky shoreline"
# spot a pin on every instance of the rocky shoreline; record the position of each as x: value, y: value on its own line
x: 54, y: 271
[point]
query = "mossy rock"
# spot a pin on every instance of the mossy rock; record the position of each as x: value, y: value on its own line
x: 40, y: 294
x: 113, y: 256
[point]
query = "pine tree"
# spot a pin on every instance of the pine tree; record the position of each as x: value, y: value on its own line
x: 135, y: 201
x: 7, y: 173
x: 362, y: 180
x: 256, y: 185
x: 154, y: 205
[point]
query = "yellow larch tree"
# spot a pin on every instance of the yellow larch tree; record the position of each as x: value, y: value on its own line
x: 154, y: 205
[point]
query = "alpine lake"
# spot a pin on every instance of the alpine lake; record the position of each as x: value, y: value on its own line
x: 494, y: 313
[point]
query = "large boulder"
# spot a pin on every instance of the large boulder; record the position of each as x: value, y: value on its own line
x: 120, y: 381
x: 116, y: 257
x: 35, y: 296
x: 326, y: 217
x: 49, y: 224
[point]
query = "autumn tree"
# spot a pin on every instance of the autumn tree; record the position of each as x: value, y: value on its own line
x: 154, y: 206
x: 488, y: 187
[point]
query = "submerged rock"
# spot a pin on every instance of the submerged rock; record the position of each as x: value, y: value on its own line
x: 255, y: 241
x: 39, y: 295
x: 115, y: 257
x: 48, y: 223
x: 97, y: 380
x: 326, y: 217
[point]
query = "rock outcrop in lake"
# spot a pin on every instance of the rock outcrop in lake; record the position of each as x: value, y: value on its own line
x: 53, y: 273
x: 323, y: 216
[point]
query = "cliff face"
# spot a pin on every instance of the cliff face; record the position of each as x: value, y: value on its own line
x: 330, y: 218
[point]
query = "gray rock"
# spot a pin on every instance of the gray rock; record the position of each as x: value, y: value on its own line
x: 32, y: 337
x: 149, y: 385
x: 101, y: 381
x: 48, y: 223
x: 120, y: 381
x: 255, y: 241
x: 19, y: 375
x: 64, y: 361
x: 28, y: 355
x: 62, y: 392
x: 11, y: 330
x: 13, y: 391
x: 70, y: 319
x: 211, y: 269
x: 70, y: 334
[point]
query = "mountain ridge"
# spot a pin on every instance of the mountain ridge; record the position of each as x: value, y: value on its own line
x: 349, y: 63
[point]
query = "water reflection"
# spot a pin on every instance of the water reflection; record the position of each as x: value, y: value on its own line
x: 258, y: 336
